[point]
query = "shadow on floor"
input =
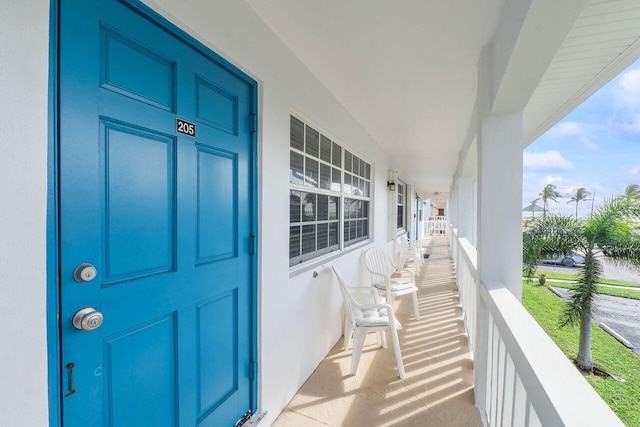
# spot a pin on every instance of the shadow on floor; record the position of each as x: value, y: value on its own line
x: 438, y: 388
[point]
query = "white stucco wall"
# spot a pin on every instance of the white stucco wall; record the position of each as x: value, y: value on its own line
x: 24, y: 62
x: 300, y: 316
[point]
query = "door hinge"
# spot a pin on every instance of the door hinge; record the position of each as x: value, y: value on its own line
x: 252, y: 421
x: 253, y: 123
x: 243, y: 419
x: 252, y: 371
x: 252, y: 245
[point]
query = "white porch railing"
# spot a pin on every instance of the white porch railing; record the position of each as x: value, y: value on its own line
x: 466, y: 277
x: 522, y: 377
x: 436, y: 225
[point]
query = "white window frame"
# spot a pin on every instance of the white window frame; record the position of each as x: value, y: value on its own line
x: 345, y: 191
x: 401, y: 191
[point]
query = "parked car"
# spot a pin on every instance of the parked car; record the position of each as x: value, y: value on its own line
x: 569, y: 260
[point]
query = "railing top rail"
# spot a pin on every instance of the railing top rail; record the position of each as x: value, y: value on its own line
x: 558, y: 392
x: 470, y: 253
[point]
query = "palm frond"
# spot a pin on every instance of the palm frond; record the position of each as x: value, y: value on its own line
x: 546, y: 237
x: 624, y: 253
x: 613, y: 221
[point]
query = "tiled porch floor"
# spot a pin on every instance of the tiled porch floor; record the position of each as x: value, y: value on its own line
x: 438, y: 388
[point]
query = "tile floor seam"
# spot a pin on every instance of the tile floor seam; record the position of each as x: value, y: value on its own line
x: 431, y: 412
x: 311, y: 418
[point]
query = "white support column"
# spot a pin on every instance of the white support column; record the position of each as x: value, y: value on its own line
x: 465, y: 208
x: 411, y: 210
x: 499, y: 225
x: 474, y: 212
x: 452, y: 206
x: 499, y: 199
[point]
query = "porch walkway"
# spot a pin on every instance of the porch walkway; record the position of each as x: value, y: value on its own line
x: 438, y: 388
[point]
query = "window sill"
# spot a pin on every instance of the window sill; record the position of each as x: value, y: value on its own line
x: 401, y: 231
x: 311, y: 264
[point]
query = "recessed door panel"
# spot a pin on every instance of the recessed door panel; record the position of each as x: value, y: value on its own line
x: 139, y: 189
x: 122, y: 55
x: 141, y: 375
x: 216, y: 106
x: 217, y: 361
x: 217, y: 206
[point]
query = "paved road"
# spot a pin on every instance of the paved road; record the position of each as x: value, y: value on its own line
x: 620, y: 314
x: 620, y: 273
x: 610, y: 271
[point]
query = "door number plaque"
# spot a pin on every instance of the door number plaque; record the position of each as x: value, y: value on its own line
x: 186, y: 128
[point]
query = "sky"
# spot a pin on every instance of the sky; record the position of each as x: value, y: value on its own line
x: 597, y: 146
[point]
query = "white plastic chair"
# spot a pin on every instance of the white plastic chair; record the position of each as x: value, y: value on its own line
x: 366, y: 318
x: 381, y: 269
x: 408, y: 249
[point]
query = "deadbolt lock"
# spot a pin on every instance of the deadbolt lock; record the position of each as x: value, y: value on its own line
x: 85, y: 273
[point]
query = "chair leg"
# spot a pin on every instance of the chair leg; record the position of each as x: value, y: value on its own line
x: 348, y: 332
x: 396, y: 349
x: 358, y: 343
x: 383, y: 338
x: 416, y: 312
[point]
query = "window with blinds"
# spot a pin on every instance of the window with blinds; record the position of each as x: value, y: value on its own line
x: 329, y: 205
x: 402, y: 206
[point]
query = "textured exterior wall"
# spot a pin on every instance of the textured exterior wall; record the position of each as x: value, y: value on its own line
x: 24, y: 62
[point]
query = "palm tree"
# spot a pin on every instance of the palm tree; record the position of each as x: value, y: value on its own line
x: 609, y: 231
x: 549, y: 193
x: 580, y: 195
x: 632, y: 192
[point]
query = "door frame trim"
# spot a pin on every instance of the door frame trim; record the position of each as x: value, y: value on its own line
x: 53, y: 327
x: 52, y: 240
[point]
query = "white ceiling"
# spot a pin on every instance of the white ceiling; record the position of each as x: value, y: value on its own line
x: 407, y: 71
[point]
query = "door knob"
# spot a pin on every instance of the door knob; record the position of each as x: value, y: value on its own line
x: 87, y: 319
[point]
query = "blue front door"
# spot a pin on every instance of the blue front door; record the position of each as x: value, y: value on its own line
x: 155, y: 187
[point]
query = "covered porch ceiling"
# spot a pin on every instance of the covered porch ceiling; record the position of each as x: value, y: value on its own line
x: 408, y: 71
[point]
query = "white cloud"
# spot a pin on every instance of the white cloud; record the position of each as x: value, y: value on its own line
x: 583, y: 132
x: 632, y: 126
x: 569, y: 129
x: 630, y: 81
x: 627, y: 92
x: 633, y: 174
x: 550, y: 179
x: 550, y: 160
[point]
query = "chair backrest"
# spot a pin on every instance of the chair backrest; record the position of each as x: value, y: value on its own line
x: 404, y: 242
x: 379, y: 265
x: 349, y: 300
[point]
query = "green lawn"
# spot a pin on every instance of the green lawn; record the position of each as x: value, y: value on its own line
x: 604, y: 290
x: 574, y: 277
x: 608, y: 354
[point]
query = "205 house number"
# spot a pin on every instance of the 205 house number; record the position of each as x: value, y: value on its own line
x: 185, y: 128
